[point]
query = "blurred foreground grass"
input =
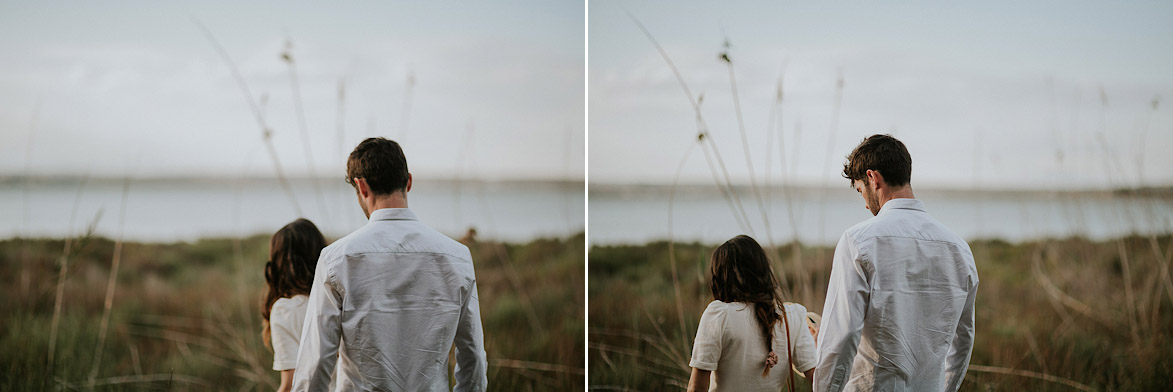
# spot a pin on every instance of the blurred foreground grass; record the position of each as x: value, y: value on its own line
x: 1051, y: 315
x: 186, y: 316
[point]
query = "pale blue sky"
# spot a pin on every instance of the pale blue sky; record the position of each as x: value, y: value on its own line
x: 983, y: 93
x: 135, y: 88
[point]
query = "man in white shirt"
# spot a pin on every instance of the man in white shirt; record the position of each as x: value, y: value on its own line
x: 899, y: 314
x: 389, y: 300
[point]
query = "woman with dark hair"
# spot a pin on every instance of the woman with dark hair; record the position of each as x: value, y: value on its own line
x: 748, y: 329
x: 293, y: 255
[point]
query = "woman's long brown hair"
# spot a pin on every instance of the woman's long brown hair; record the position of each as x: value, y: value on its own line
x: 293, y: 256
x: 741, y: 272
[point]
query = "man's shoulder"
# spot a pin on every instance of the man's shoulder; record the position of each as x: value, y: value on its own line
x: 863, y: 230
x: 428, y: 240
x: 915, y: 225
x: 336, y: 249
x: 399, y: 237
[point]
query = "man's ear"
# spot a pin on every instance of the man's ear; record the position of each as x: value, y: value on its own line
x: 364, y: 189
x: 875, y: 179
x: 408, y: 188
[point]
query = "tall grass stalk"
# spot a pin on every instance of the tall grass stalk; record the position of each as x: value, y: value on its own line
x: 728, y: 181
x: 519, y: 288
x: 244, y: 302
x: 672, y: 246
x: 405, y: 114
x: 25, y: 274
x: 539, y: 366
x: 833, y: 130
x: 1060, y: 297
x: 340, y: 129
x: 726, y: 189
x: 144, y: 379
x: 1133, y: 305
x: 266, y: 132
x: 568, y: 158
x: 511, y: 273
x: 63, y: 270
x: 111, y: 285
x: 1144, y: 133
x: 753, y: 182
x: 1163, y: 259
x: 703, y: 128
x: 287, y: 57
x: 461, y: 158
x: 340, y: 117
x: 1130, y: 300
x: 677, y: 357
x: 777, y: 127
x: 779, y: 96
x: 1034, y: 347
x: 134, y: 360
x: 771, y: 118
x: 1027, y: 373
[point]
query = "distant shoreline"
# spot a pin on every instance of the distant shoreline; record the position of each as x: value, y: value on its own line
x: 807, y: 189
x: 256, y: 236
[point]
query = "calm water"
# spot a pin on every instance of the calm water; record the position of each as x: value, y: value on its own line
x: 184, y: 210
x: 638, y: 214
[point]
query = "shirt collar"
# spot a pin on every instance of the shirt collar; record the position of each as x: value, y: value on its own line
x: 392, y: 214
x: 903, y: 204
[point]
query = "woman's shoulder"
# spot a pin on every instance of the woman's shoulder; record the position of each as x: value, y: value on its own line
x: 716, y: 305
x: 289, y: 304
x: 719, y: 308
x: 794, y: 308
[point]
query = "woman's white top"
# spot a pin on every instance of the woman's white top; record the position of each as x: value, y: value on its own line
x: 285, y: 322
x: 729, y: 343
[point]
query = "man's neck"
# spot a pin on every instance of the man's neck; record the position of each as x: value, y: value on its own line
x: 889, y: 194
x: 394, y: 200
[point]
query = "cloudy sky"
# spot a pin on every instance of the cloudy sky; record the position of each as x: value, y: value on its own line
x: 993, y: 94
x: 136, y: 88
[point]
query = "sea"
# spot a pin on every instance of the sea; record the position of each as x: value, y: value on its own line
x: 188, y: 209
x: 637, y: 214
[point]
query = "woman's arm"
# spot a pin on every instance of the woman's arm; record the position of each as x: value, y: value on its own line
x: 286, y: 381
x: 699, y: 381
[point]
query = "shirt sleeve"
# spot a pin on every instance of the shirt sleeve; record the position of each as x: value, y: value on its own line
x: 710, y: 334
x: 283, y: 336
x: 471, y: 365
x: 322, y: 332
x: 848, y: 293
x: 804, y: 343
x: 957, y: 361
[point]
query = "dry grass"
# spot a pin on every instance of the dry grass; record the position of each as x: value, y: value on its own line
x: 186, y: 316
x: 1052, y: 315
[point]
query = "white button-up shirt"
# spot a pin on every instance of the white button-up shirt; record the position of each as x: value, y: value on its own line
x: 900, y: 305
x: 387, y: 303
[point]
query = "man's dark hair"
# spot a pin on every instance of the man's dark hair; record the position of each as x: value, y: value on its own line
x: 882, y: 153
x: 381, y: 163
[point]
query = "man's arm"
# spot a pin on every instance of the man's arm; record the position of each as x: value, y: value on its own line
x: 471, y: 365
x: 848, y: 293
x: 957, y: 361
x: 322, y: 333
